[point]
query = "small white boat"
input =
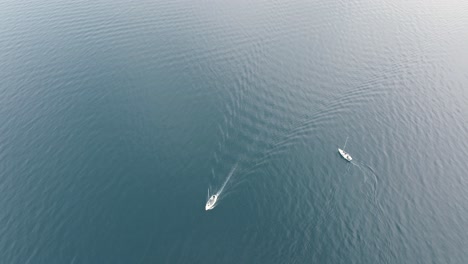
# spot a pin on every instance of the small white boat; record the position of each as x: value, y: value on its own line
x: 343, y: 153
x: 210, y: 204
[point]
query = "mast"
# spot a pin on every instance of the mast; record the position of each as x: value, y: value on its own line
x: 345, y: 143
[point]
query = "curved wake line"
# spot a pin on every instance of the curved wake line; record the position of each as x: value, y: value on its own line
x: 366, y: 168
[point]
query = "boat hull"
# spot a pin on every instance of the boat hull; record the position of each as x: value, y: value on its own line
x: 345, y: 155
x: 211, y: 203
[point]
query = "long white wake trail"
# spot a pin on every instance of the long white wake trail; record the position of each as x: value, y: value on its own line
x: 227, y: 180
x: 214, y: 200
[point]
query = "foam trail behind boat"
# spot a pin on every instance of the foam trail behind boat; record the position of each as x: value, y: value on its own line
x: 227, y: 180
x: 366, y: 169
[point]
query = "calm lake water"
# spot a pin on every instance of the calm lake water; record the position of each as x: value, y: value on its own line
x: 117, y: 116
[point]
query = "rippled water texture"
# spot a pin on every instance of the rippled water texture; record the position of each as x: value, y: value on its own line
x: 117, y: 116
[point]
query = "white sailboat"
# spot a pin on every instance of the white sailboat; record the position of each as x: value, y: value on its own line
x: 343, y: 153
x: 210, y: 204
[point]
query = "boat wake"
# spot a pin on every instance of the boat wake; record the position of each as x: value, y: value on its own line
x: 368, y: 171
x: 214, y: 199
